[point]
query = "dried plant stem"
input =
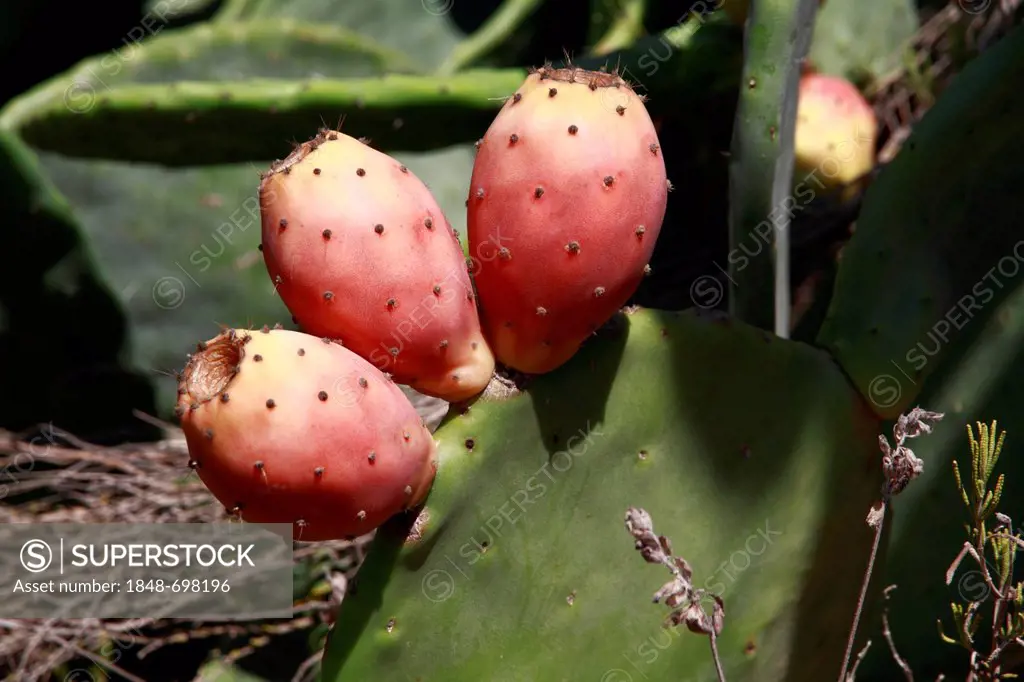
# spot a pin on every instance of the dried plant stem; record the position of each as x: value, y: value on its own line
x: 887, y: 632
x: 900, y: 466
x: 863, y: 591
x: 679, y: 593
x: 307, y: 671
x: 714, y: 655
x: 977, y: 556
x: 860, y: 658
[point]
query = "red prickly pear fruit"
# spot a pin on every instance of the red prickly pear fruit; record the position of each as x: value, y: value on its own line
x: 283, y: 427
x: 567, y: 199
x: 359, y: 251
x: 836, y: 133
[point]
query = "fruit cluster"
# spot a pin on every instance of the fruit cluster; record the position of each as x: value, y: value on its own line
x: 566, y: 200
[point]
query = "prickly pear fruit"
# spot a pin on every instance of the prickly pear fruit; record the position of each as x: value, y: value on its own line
x: 567, y: 198
x: 283, y: 427
x: 836, y: 132
x: 360, y: 251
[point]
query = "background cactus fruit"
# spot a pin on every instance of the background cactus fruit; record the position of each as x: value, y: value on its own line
x: 566, y: 201
x: 359, y: 251
x: 836, y: 132
x: 283, y: 427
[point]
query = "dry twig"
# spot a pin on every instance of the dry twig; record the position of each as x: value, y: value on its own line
x: 899, y: 466
x: 678, y: 593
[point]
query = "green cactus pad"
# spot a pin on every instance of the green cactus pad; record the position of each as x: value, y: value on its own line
x: 938, y: 242
x: 201, y: 121
x: 193, y: 123
x: 862, y: 39
x: 752, y: 454
x: 761, y: 167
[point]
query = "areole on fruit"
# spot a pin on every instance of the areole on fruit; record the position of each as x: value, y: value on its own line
x: 569, y: 183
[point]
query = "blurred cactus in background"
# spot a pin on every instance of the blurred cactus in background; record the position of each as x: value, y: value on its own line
x: 710, y: 251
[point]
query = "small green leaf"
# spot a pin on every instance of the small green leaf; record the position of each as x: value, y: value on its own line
x: 942, y: 634
x: 993, y: 498
x: 960, y: 485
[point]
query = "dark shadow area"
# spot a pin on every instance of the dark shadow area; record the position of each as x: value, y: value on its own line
x: 572, y: 398
x: 366, y: 591
x: 548, y: 34
x: 63, y: 337
x: 182, y: 661
x: 728, y: 372
x: 830, y: 589
x: 545, y: 35
x: 695, y: 233
x: 276, y: 662
x: 62, y: 333
x: 70, y: 31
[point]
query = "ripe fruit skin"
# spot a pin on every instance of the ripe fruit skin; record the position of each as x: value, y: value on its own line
x: 359, y: 251
x: 836, y: 132
x: 287, y: 437
x: 566, y: 201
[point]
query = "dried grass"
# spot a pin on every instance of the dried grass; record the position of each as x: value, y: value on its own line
x: 939, y: 50
x: 66, y: 480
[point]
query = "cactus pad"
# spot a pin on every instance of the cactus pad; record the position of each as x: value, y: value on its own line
x: 752, y: 454
x: 938, y: 242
